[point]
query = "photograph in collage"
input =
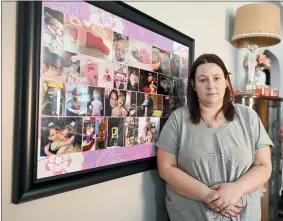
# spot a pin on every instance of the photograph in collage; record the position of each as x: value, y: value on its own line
x: 149, y: 128
x: 101, y: 132
x: 184, y: 69
x: 160, y: 61
x: 133, y: 79
x: 174, y: 65
x: 148, y: 82
x: 149, y: 105
x: 115, y: 132
x: 131, y: 131
x: 120, y: 48
x: 105, y: 74
x: 82, y: 37
x: 120, y: 76
x: 89, y: 136
x: 170, y: 104
x: 53, y: 31
x: 140, y: 55
x: 53, y: 98
x: 95, y: 101
x: 60, y: 135
x: 76, y: 97
x: 165, y: 85
x: 89, y: 70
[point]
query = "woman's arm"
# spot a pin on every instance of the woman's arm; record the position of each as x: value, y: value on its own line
x: 180, y: 182
x: 258, y: 174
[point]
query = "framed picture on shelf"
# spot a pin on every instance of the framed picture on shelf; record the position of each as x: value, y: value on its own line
x: 95, y: 83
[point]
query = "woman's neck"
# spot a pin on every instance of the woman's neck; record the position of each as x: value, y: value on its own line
x: 209, y: 112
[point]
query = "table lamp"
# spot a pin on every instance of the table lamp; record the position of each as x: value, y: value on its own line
x: 256, y: 25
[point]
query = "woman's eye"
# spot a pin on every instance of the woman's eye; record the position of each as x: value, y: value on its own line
x: 202, y: 80
x: 217, y: 78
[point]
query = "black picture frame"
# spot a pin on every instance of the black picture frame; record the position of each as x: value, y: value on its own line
x: 25, y: 185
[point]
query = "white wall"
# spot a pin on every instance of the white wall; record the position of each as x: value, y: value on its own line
x: 138, y: 197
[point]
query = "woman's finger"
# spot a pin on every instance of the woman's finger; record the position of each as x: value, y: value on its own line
x: 215, y: 204
x: 211, y: 197
x: 229, y: 213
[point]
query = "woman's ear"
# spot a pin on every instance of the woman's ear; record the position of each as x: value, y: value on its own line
x: 192, y: 83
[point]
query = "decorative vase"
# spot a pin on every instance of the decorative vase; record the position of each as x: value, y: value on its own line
x: 260, y: 76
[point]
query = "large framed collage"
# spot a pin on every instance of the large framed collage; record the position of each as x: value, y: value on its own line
x: 96, y: 82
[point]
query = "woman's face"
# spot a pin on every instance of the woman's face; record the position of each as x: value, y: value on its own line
x: 113, y: 100
x: 210, y: 84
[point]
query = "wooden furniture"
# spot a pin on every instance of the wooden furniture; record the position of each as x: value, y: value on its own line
x: 269, y: 110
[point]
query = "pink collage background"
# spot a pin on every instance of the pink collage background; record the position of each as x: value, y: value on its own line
x: 67, y: 163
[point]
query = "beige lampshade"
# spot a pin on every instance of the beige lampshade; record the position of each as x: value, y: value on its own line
x: 259, y: 23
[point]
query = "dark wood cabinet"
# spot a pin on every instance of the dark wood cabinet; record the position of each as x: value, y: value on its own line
x: 269, y: 110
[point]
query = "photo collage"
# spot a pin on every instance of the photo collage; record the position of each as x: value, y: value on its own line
x: 101, y: 89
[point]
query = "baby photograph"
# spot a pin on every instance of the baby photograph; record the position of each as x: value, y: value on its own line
x: 133, y: 79
x: 76, y: 100
x: 95, y: 101
x: 85, y: 38
x: 120, y: 48
x: 140, y: 55
x: 105, y: 74
x: 120, y: 76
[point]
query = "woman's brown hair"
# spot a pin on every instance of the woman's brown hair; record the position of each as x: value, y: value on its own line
x: 193, y: 103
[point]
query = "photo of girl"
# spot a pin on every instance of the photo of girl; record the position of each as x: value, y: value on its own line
x: 120, y: 110
x: 160, y: 61
x: 133, y: 79
x: 149, y: 105
x: 89, y: 69
x: 149, y: 128
x: 76, y: 96
x: 101, y: 133
x: 95, y: 102
x: 53, y: 98
x: 60, y: 136
x: 120, y: 48
x: 120, y: 76
x: 89, y: 137
x: 61, y: 68
x: 148, y: 82
x: 140, y: 54
x: 115, y: 132
x: 131, y: 131
x: 105, y: 74
x: 175, y: 65
x: 86, y: 38
x: 53, y: 30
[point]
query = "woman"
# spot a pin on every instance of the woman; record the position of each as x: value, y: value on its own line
x: 212, y: 152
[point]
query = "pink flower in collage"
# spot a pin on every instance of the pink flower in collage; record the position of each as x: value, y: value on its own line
x: 105, y: 19
x: 59, y: 164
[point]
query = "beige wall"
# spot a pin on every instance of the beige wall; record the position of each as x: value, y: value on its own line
x: 209, y: 24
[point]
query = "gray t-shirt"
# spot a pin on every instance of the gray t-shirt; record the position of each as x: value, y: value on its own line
x: 212, y: 156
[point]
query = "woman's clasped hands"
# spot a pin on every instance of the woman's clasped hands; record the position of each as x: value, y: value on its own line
x: 224, y: 199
